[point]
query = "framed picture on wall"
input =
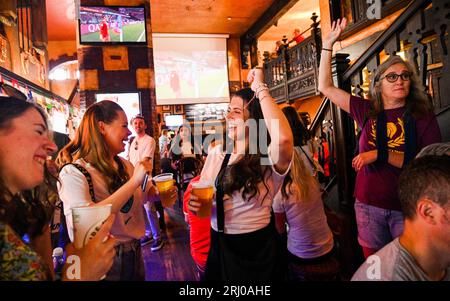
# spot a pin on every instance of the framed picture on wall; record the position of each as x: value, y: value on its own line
x: 178, y: 109
x: 166, y: 108
x: 165, y: 115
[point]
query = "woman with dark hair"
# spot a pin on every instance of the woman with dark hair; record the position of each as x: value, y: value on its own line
x: 247, y: 174
x: 310, y: 255
x: 396, y: 123
x: 93, y: 173
x: 26, y: 200
x: 182, y: 145
x: 186, y: 156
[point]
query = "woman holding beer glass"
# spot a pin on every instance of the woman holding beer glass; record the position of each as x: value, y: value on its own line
x: 25, y: 207
x: 93, y: 154
x: 244, y: 243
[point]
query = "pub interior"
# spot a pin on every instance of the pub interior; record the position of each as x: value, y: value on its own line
x: 140, y: 166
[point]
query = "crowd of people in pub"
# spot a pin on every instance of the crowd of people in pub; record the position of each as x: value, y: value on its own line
x: 267, y: 221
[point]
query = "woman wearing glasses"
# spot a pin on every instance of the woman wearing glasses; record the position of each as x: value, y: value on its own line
x: 401, y: 113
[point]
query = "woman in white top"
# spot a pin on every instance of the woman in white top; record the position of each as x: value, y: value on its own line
x: 93, y: 157
x: 244, y: 243
x: 299, y: 205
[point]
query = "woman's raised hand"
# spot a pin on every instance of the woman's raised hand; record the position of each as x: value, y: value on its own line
x: 142, y: 168
x: 255, y: 77
x: 336, y: 29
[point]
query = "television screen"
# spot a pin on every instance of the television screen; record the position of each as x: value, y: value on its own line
x: 173, y: 120
x: 110, y: 24
x: 128, y: 101
x: 190, y: 68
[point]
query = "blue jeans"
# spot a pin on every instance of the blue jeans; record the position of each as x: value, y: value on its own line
x: 377, y: 226
x: 151, y: 220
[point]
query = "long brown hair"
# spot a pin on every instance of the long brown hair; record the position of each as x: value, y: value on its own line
x: 417, y: 101
x: 29, y: 211
x: 248, y: 172
x: 89, y: 141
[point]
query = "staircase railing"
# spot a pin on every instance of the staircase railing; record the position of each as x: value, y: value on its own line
x: 422, y: 29
x: 293, y: 74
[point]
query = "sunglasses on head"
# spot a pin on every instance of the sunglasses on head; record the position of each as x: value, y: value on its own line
x: 393, y: 77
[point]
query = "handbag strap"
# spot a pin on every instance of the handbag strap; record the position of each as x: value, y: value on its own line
x: 219, y: 196
x: 410, y: 139
x: 88, y: 179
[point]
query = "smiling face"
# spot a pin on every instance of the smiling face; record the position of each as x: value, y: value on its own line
x: 184, y: 133
x: 236, y: 117
x: 116, y: 133
x: 25, y: 146
x: 398, y: 90
x: 139, y: 126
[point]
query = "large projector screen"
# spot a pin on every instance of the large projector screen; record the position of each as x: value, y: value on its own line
x: 190, y: 69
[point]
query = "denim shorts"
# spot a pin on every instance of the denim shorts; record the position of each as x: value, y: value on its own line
x: 377, y: 226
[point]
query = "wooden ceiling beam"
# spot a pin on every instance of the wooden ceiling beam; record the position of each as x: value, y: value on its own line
x: 268, y: 18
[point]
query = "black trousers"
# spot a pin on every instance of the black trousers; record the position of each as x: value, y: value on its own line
x: 254, y: 256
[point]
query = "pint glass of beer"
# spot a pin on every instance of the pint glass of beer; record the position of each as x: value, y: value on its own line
x: 204, y: 191
x: 164, y: 182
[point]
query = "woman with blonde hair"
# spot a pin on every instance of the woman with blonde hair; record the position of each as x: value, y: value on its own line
x: 396, y: 123
x: 299, y: 204
x: 92, y: 173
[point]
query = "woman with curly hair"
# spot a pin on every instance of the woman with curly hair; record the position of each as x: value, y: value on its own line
x: 27, y: 195
x: 396, y: 123
x: 244, y: 243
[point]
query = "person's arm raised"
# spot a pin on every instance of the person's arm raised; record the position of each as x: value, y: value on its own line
x: 282, y: 139
x: 326, y: 86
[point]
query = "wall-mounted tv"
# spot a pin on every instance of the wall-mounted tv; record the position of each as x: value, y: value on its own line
x: 112, y: 25
x: 173, y: 120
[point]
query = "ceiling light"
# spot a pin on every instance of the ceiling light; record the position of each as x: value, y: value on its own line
x: 229, y: 18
